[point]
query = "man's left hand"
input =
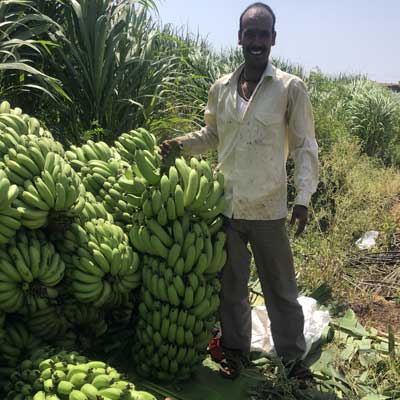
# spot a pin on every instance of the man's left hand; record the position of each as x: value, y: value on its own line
x: 299, y: 213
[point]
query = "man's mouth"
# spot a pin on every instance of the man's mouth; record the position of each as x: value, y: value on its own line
x: 255, y: 52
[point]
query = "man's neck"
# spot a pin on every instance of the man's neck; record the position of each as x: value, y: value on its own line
x: 253, y: 74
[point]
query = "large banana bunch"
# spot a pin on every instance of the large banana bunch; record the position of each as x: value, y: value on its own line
x: 30, y: 268
x: 79, y: 156
x: 49, y: 189
x: 61, y: 376
x: 179, y: 232
x: 10, y: 218
x: 17, y: 344
x: 177, y: 308
x: 102, y: 265
x: 94, y: 209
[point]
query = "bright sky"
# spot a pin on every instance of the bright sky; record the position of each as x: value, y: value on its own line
x: 348, y: 36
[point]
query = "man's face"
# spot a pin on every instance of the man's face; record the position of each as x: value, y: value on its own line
x: 257, y: 37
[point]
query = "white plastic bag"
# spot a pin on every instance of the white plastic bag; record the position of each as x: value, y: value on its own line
x: 367, y: 240
x: 314, y: 323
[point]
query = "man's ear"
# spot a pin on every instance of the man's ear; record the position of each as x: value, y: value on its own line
x: 240, y: 37
x: 273, y: 38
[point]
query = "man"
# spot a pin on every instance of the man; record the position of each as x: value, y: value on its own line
x: 254, y: 116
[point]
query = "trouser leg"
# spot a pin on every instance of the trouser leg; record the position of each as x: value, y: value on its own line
x: 274, y: 261
x: 235, y: 312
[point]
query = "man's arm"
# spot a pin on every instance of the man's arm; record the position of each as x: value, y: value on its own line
x: 206, y: 138
x: 303, y: 148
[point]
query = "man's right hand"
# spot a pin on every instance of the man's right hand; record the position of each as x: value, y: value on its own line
x: 170, y: 151
x: 170, y: 145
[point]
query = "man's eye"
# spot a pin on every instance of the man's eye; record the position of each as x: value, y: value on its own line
x: 250, y: 35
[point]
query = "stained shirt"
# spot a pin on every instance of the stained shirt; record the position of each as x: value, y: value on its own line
x: 253, y: 146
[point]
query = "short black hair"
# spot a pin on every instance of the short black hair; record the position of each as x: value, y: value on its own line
x: 258, y: 5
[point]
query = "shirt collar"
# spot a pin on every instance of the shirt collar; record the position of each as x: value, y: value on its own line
x: 270, y: 71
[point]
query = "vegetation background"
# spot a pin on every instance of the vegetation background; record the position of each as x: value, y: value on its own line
x: 95, y: 69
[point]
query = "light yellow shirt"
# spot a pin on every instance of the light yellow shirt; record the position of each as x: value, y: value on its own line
x: 253, y: 147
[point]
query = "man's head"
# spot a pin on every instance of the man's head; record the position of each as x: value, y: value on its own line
x: 257, y: 34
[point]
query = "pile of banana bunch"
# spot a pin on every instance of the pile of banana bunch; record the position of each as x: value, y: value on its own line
x: 102, y: 268
x: 10, y: 218
x: 30, y: 269
x: 68, y: 376
x: 180, y: 234
x: 80, y: 156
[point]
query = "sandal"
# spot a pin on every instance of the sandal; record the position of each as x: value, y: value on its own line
x: 230, y: 367
x: 231, y: 362
x: 300, y: 372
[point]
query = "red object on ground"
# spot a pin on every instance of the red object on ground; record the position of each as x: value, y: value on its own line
x: 214, y: 348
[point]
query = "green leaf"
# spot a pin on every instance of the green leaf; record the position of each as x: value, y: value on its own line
x: 375, y: 397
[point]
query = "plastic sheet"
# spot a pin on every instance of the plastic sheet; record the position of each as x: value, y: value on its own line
x: 315, y: 321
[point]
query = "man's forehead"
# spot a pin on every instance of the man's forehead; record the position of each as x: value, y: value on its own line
x: 257, y: 14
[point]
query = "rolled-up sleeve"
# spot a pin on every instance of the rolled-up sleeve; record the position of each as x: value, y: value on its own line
x: 303, y: 146
x: 207, y: 137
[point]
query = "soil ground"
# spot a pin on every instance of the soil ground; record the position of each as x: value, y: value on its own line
x: 379, y: 312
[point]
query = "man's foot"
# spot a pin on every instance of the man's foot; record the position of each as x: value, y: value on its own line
x: 299, y: 371
x: 232, y: 363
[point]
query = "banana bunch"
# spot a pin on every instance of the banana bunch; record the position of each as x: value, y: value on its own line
x: 22, y: 123
x: 17, y: 344
x: 176, y: 315
x: 202, y: 189
x: 94, y: 209
x: 48, y: 322
x: 139, y: 148
x: 68, y: 320
x: 140, y: 139
x: 30, y: 268
x: 52, y: 188
x: 25, y: 379
x: 185, y: 246
x: 117, y: 203
x: 10, y: 218
x: 97, y: 172
x: 120, y: 335
x: 62, y: 376
x: 102, y: 266
x: 78, y: 157
x: 84, y: 319
x: 195, y: 191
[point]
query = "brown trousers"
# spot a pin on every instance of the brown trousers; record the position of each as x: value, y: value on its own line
x: 274, y: 262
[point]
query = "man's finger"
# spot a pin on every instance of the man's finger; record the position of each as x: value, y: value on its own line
x: 293, y: 219
x: 300, y: 228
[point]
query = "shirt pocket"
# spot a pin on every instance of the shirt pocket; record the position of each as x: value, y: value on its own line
x: 265, y: 129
